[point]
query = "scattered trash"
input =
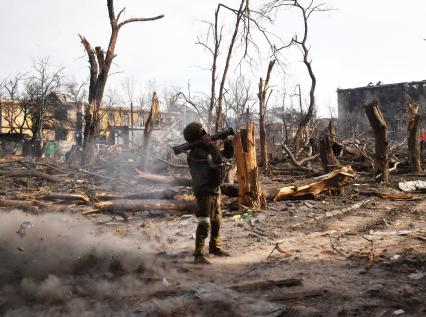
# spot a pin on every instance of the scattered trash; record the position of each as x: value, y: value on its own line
x: 398, y: 312
x: 165, y: 282
x: 236, y: 217
x: 395, y: 257
x: 417, y: 275
x: 23, y: 228
x: 246, y: 216
x: 413, y: 186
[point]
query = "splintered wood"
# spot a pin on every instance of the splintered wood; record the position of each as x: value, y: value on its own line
x: 250, y: 193
x: 334, y: 180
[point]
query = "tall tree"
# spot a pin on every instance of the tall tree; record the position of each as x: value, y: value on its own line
x: 262, y: 95
x: 41, y: 84
x: 100, y: 64
x: 306, y: 11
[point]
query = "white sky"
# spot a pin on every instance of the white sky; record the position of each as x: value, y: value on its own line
x: 359, y: 42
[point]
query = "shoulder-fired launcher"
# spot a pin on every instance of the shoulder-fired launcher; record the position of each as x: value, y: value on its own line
x: 188, y: 146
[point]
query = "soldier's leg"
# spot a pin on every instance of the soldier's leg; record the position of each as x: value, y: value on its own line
x: 215, y: 246
x: 203, y: 226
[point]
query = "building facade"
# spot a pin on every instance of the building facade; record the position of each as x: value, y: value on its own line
x: 392, y: 98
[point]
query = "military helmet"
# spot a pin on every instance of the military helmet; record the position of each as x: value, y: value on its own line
x: 193, y: 132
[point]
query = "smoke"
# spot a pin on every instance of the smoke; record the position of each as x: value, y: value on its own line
x: 63, y: 265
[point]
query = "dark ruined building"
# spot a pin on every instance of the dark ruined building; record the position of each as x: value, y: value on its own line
x: 353, y: 121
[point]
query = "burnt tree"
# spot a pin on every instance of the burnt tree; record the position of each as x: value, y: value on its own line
x: 250, y: 192
x: 262, y: 95
x: 100, y: 64
x: 306, y: 11
x: 328, y: 160
x: 381, y: 157
x: 413, y: 112
x: 149, y: 127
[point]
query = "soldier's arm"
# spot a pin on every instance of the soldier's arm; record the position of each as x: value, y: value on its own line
x: 228, y: 149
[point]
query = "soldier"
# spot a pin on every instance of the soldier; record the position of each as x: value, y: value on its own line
x: 207, y: 172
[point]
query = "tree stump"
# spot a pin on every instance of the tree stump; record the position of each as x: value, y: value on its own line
x: 381, y: 157
x: 250, y: 193
x: 413, y: 140
x: 328, y: 160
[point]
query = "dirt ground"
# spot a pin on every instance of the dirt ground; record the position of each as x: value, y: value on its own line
x: 348, y: 255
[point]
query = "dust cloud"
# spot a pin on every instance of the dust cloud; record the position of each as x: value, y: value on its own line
x: 62, y: 265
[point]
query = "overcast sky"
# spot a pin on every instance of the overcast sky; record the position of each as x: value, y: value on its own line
x: 361, y: 41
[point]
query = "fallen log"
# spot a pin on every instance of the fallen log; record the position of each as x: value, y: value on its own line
x: 146, y: 205
x: 161, y: 179
x: 297, y: 295
x: 159, y: 194
x: 230, y: 190
x: 66, y: 196
x: 266, y: 284
x: 12, y: 203
x: 31, y: 173
x: 334, y: 180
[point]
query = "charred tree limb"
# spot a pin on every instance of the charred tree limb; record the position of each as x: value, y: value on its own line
x: 149, y: 127
x: 31, y: 173
x: 146, y: 205
x: 295, y: 162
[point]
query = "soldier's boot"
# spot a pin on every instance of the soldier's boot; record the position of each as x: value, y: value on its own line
x: 215, y: 247
x: 200, y: 237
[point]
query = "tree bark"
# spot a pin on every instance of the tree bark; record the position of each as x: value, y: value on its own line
x: 146, y: 205
x: 263, y: 89
x: 100, y: 64
x: 240, y: 14
x: 328, y: 160
x: 413, y: 140
x: 149, y: 127
x: 378, y: 125
x: 250, y: 192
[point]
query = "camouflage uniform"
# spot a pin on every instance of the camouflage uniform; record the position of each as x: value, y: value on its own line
x: 207, y: 175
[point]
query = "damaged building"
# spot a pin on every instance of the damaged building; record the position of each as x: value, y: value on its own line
x: 392, y: 98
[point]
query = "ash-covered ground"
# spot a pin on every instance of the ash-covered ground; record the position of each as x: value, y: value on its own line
x: 364, y: 262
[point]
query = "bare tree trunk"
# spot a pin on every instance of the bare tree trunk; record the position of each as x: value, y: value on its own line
x: 263, y: 88
x: 332, y: 130
x: 378, y: 124
x: 217, y: 40
x: 240, y: 14
x: 149, y: 127
x: 413, y: 111
x: 250, y: 192
x: 328, y: 160
x: 100, y: 64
